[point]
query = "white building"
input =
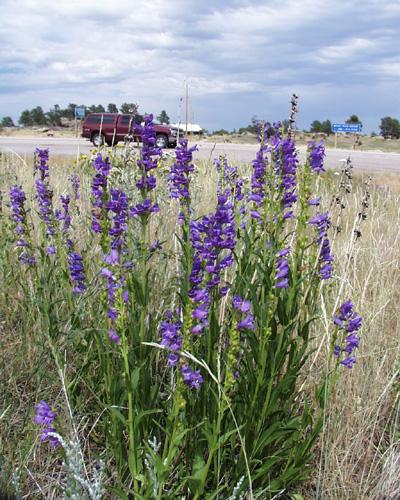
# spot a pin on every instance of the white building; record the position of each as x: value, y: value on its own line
x: 192, y: 128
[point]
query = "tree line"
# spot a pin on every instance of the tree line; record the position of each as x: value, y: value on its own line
x: 389, y: 126
x: 57, y: 115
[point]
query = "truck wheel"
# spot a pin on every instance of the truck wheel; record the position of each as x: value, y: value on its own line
x: 161, y: 141
x: 97, y: 139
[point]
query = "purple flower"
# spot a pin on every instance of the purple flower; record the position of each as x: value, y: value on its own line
x: 171, y: 338
x: 241, y: 305
x: 44, y: 196
x: 179, y: 176
x: 99, y: 191
x: 350, y: 322
x: 316, y: 154
x: 75, y: 182
x: 282, y: 269
x: 322, y: 223
x: 258, y: 178
x: 145, y: 208
x: 113, y: 336
x: 112, y: 258
x: 247, y: 323
x: 77, y: 272
x: 118, y: 206
x: 64, y: 215
x: 192, y: 378
x: 348, y: 362
x: 315, y: 201
x: 45, y: 416
x: 17, y: 200
x: 41, y: 166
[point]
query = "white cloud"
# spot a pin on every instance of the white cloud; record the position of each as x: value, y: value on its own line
x: 101, y: 51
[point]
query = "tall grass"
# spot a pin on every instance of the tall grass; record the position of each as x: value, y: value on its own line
x: 256, y: 405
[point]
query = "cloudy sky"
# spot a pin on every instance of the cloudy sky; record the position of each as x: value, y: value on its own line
x: 239, y: 57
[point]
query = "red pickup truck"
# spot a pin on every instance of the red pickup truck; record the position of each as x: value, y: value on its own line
x: 111, y: 128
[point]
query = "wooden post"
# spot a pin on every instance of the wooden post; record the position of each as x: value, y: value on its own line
x: 335, y: 140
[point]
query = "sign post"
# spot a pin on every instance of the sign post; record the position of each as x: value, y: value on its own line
x: 79, y: 115
x: 346, y: 128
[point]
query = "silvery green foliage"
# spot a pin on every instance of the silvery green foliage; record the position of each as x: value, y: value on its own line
x: 79, y: 486
x: 151, y: 464
x: 236, y: 490
x: 15, y: 481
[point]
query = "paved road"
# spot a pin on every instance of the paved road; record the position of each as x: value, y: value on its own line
x: 373, y: 161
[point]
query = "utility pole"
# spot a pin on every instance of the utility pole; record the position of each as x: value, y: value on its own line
x: 187, y: 111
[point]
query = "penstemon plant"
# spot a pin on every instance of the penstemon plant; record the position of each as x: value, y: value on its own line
x: 190, y: 360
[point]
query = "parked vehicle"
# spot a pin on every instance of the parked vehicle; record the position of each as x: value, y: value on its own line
x: 111, y: 128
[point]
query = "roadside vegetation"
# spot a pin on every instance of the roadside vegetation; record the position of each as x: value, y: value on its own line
x: 180, y: 329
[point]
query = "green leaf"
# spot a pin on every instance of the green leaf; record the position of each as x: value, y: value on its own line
x: 197, y: 479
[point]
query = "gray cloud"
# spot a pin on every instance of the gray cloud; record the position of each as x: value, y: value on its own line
x: 239, y: 58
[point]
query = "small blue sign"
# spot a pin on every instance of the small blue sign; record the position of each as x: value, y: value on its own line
x: 352, y: 128
x: 80, y: 112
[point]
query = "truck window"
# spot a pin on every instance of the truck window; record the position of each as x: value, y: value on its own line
x: 97, y: 119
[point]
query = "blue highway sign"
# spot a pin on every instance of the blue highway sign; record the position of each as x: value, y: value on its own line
x: 80, y: 112
x: 347, y: 127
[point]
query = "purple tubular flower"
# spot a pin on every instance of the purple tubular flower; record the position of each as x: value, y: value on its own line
x: 243, y: 307
x: 113, y: 336
x: 247, y: 323
x: 350, y: 322
x: 284, y: 152
x: 77, y: 272
x: 213, y: 239
x: 179, y: 176
x: 41, y: 166
x: 145, y: 208
x: 316, y: 154
x: 228, y: 178
x: 258, y: 178
x: 75, y: 183
x: 99, y: 190
x: 315, y: 201
x: 322, y: 223
x: 171, y: 339
x: 45, y: 416
x: 147, y: 162
x: 348, y: 362
x: 118, y: 205
x: 192, y: 378
x: 282, y: 269
x: 17, y: 200
x: 64, y: 215
x: 44, y: 196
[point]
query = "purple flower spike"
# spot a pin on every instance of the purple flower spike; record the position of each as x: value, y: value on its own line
x: 17, y: 200
x: 77, y: 272
x: 41, y: 166
x: 113, y: 336
x: 192, y: 378
x: 45, y: 416
x: 179, y: 176
x: 349, y: 322
x: 348, y: 362
x: 246, y: 323
x: 316, y: 154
